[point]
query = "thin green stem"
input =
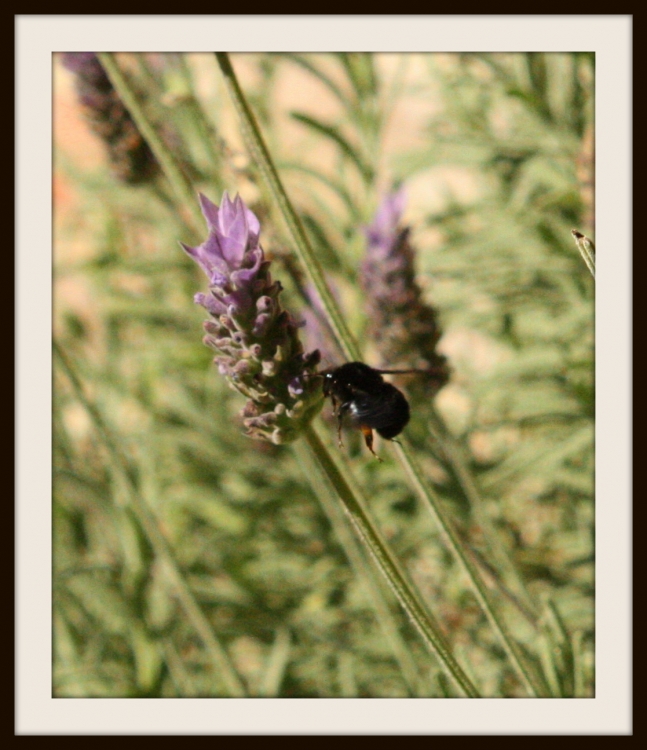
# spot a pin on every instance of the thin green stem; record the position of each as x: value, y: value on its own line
x: 433, y: 504
x: 423, y: 620
x: 222, y: 667
x: 586, y: 248
x: 205, y: 128
x: 366, y: 574
x: 182, y: 188
x: 258, y: 149
x: 453, y: 454
x: 259, y: 152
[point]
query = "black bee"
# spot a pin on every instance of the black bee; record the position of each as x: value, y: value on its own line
x: 372, y: 404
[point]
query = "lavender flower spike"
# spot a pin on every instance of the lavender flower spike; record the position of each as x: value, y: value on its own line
x: 130, y: 156
x: 259, y: 350
x: 404, y: 326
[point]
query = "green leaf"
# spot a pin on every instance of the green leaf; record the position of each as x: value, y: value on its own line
x: 332, y: 133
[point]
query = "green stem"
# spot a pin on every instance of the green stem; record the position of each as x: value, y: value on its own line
x: 432, y: 502
x: 304, y: 250
x: 259, y: 152
x: 357, y: 558
x: 586, y: 248
x: 222, y: 666
x: 182, y: 188
x: 454, y: 457
x: 388, y: 565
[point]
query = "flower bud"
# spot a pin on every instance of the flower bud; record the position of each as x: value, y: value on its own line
x: 260, y: 352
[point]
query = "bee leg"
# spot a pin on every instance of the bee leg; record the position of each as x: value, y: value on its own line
x: 337, y: 412
x: 368, y: 439
x: 339, y: 418
x: 343, y: 408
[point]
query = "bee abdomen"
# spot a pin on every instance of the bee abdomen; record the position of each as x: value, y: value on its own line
x: 392, y: 430
x: 389, y: 414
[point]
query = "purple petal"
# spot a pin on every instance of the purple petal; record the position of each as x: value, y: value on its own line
x: 208, y: 256
x: 218, y: 279
x: 387, y: 217
x: 209, y: 211
x: 233, y: 250
x: 210, y: 303
x: 226, y: 214
x: 253, y: 226
x: 238, y: 302
x: 232, y: 221
x: 245, y: 276
x: 233, y: 230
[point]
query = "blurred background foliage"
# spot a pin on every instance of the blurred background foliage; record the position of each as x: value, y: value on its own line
x: 161, y: 504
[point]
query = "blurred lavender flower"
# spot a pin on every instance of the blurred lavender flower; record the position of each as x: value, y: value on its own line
x: 260, y: 352
x: 404, y: 327
x: 130, y: 156
x: 317, y: 332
